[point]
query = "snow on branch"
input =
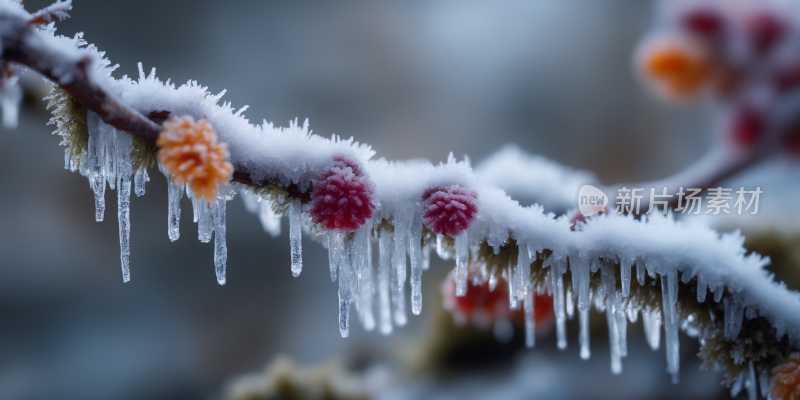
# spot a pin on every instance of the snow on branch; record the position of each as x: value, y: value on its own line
x: 334, y: 191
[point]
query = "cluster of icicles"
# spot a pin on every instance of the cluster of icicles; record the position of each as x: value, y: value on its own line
x: 350, y: 258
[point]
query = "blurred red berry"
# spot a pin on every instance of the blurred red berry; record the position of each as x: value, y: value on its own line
x: 480, y: 302
x: 450, y: 210
x: 342, y: 199
x: 788, y: 78
x: 792, y: 140
x: 748, y: 126
x: 765, y: 30
x: 706, y: 22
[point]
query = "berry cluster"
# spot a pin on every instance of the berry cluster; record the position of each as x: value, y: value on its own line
x: 744, y: 55
x: 343, y: 197
x: 786, y: 379
x: 189, y: 151
x: 449, y: 210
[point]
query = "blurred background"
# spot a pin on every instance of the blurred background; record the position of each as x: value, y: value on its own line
x: 411, y: 78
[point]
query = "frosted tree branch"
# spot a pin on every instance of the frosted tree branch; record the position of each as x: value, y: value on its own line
x: 343, y: 198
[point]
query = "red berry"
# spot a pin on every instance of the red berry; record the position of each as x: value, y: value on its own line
x: 342, y: 199
x: 748, y: 126
x: 705, y: 22
x: 765, y: 30
x: 450, y: 210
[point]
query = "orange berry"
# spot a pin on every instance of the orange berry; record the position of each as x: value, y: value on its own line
x: 677, y: 69
x: 189, y: 151
x: 786, y: 379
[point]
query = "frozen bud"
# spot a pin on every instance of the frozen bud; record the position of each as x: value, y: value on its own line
x: 786, y: 379
x: 449, y: 210
x: 343, y: 197
x: 189, y: 151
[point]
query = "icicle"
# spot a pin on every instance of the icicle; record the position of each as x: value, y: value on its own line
x: 580, y: 281
x: 523, y: 277
x: 462, y: 259
x: 441, y: 248
x: 139, y: 180
x: 625, y: 277
x: 362, y: 253
x: 583, y: 339
x: 764, y: 380
x: 530, y: 318
x: 415, y: 256
x: 385, y: 248
x: 346, y: 284
x: 398, y: 295
x: 109, y: 138
x: 720, y: 290
x: 295, y: 234
x: 750, y: 384
x: 401, y: 227
x: 640, y: 270
x: 669, y: 289
x: 426, y: 257
x: 122, y: 152
x: 651, y: 319
x: 511, y: 273
x: 493, y: 279
x: 96, y: 161
x: 175, y: 193
x: 633, y: 313
x: 701, y: 289
x: 270, y: 221
x: 557, y: 287
x: 736, y: 387
x: 733, y: 317
x: 622, y: 329
x: 10, y: 97
x: 609, y: 285
x: 335, y: 249
x: 220, y: 248
x: 569, y: 297
x: 205, y: 223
